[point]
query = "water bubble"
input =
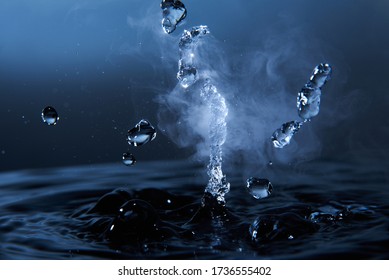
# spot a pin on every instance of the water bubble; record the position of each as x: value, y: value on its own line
x: 259, y: 188
x: 128, y: 159
x: 142, y: 133
x: 282, y: 136
x: 50, y: 115
x: 173, y: 12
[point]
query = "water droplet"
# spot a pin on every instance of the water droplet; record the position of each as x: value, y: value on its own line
x: 282, y: 136
x: 270, y: 163
x: 173, y: 12
x: 50, y: 115
x: 308, y: 102
x: 142, y: 133
x: 187, y: 72
x: 320, y: 75
x: 308, y: 99
x: 259, y: 188
x: 128, y: 159
x: 290, y: 237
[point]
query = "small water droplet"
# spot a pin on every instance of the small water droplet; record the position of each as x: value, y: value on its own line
x: 270, y: 163
x: 128, y: 159
x: 290, y: 237
x: 50, y: 115
x: 142, y: 133
x: 259, y: 188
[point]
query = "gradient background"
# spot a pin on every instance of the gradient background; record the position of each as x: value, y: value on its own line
x: 103, y: 64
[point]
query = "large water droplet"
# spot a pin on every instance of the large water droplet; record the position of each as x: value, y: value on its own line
x: 308, y: 102
x: 259, y: 188
x: 128, y: 159
x: 173, y: 12
x: 142, y: 133
x: 282, y: 136
x: 50, y: 115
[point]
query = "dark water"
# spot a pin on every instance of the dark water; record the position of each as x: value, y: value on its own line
x: 323, y: 210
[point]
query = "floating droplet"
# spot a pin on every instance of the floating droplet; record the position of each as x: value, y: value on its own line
x: 259, y: 188
x: 128, y: 159
x: 187, y: 72
x: 308, y: 102
x: 282, y: 136
x: 173, y: 12
x: 308, y: 99
x: 142, y: 133
x: 321, y: 74
x: 50, y: 115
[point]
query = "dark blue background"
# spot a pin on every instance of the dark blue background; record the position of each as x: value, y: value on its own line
x: 103, y: 63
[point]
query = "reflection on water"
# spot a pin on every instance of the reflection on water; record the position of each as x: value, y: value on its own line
x: 318, y: 210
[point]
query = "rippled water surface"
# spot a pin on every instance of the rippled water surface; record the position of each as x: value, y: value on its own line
x: 322, y: 210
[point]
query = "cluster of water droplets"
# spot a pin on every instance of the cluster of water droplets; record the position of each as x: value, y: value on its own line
x: 187, y: 72
x: 217, y: 184
x: 173, y: 12
x: 308, y: 105
x: 142, y: 133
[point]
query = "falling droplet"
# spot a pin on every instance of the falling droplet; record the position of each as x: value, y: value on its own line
x: 320, y: 75
x: 308, y: 102
x: 128, y: 159
x: 50, y: 115
x: 259, y: 188
x: 173, y: 12
x: 308, y: 99
x: 282, y: 136
x: 142, y: 133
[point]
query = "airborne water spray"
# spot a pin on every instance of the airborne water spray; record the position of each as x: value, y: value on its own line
x: 308, y: 105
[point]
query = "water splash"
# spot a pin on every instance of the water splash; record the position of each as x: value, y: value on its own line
x: 308, y: 105
x: 173, y: 12
x: 187, y: 72
x: 217, y: 184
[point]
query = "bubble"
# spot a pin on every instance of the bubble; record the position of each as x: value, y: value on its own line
x: 128, y: 159
x: 259, y: 188
x: 142, y: 133
x: 50, y: 115
x: 173, y: 12
x: 282, y: 136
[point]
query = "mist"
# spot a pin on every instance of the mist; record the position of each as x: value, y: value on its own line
x: 104, y: 65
